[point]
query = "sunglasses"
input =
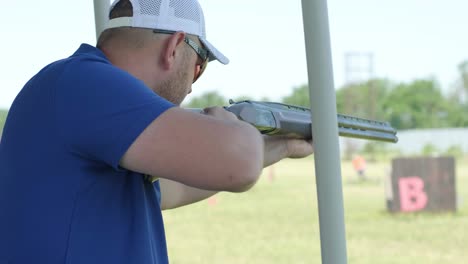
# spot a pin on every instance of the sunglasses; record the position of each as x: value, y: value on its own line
x: 202, y: 53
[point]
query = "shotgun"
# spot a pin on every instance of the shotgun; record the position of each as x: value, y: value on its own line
x: 295, y: 121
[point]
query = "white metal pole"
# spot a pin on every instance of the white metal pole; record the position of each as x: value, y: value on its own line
x: 325, y: 132
x: 101, y: 13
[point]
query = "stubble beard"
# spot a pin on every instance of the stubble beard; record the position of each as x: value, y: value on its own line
x: 174, y: 89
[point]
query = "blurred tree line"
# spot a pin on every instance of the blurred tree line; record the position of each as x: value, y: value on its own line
x: 417, y: 104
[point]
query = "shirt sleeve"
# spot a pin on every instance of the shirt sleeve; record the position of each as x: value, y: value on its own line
x: 101, y: 110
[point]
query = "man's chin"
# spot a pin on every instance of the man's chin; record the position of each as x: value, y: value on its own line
x: 180, y: 101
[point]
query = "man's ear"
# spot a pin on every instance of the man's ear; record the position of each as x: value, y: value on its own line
x: 170, y: 51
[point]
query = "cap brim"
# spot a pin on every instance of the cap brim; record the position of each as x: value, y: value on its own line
x: 214, y: 53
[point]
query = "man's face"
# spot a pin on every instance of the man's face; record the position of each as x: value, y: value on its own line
x: 179, y: 85
x: 188, y: 70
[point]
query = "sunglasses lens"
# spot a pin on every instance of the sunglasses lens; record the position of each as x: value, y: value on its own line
x: 200, y: 68
x: 203, y: 67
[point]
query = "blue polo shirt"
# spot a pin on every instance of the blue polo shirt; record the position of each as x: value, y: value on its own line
x: 63, y: 196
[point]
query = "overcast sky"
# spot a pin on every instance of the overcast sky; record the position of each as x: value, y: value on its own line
x: 264, y: 40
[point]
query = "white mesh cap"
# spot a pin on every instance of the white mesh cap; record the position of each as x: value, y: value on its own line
x: 173, y: 15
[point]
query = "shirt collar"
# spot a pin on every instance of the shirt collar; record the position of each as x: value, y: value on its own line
x: 86, y: 49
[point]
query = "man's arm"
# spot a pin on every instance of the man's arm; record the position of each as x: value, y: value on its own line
x: 214, y: 151
x: 174, y: 194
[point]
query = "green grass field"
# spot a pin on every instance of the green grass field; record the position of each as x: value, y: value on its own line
x: 277, y: 222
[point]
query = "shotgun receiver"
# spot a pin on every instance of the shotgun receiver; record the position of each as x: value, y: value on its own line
x: 295, y: 121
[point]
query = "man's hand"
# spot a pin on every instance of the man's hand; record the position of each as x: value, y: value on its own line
x: 278, y: 147
x: 298, y: 148
x: 220, y: 113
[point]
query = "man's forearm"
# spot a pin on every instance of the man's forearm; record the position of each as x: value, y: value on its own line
x: 175, y: 194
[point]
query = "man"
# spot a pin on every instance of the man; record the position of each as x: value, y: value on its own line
x: 95, y: 145
x: 359, y: 165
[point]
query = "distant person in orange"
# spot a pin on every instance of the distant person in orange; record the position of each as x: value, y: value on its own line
x: 359, y: 164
